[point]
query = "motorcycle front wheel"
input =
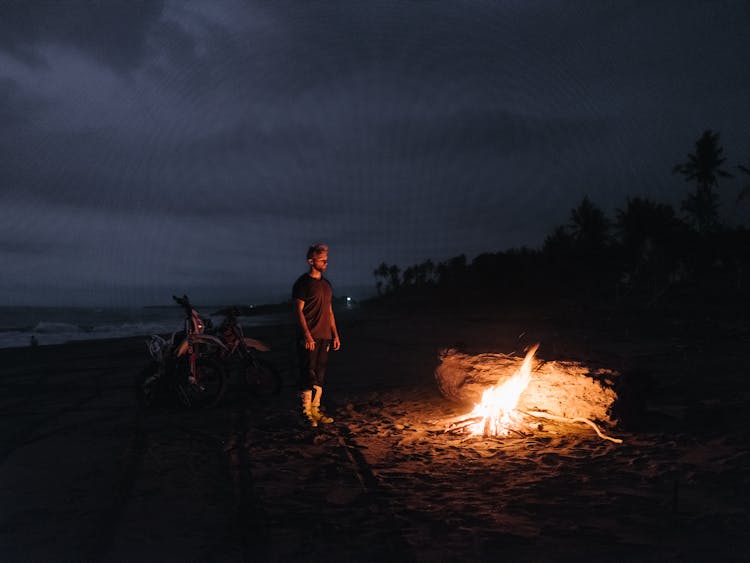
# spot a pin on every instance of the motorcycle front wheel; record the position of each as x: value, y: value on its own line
x: 261, y: 377
x: 205, y: 389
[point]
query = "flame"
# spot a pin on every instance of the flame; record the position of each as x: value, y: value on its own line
x: 497, y: 408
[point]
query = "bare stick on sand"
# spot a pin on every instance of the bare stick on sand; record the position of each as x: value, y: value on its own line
x: 539, y: 414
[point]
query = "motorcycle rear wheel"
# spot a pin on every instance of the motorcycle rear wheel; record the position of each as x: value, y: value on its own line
x: 261, y: 377
x: 209, y: 387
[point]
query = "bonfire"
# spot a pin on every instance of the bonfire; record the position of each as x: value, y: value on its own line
x: 503, y: 409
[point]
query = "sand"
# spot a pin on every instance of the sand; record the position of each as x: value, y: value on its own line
x: 86, y: 476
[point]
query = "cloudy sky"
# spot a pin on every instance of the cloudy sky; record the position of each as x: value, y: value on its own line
x: 148, y: 148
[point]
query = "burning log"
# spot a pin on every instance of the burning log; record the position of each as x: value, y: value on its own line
x: 462, y: 423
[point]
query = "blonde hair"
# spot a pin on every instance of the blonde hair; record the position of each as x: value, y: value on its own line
x: 316, y: 250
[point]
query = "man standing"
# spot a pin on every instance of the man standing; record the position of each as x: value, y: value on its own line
x: 316, y: 328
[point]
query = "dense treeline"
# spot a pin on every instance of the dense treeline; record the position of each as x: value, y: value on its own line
x: 644, y: 254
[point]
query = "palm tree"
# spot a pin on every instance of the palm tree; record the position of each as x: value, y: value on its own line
x: 425, y: 272
x: 391, y: 278
x: 746, y: 190
x: 642, y: 222
x: 589, y: 226
x: 394, y: 281
x: 558, y: 243
x: 704, y: 168
x: 381, y: 272
x: 410, y: 276
x: 450, y: 272
x: 649, y: 233
x: 702, y: 206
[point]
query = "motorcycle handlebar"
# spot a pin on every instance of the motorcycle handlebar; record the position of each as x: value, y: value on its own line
x: 184, y: 302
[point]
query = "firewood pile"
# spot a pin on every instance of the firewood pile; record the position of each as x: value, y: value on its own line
x: 563, y: 389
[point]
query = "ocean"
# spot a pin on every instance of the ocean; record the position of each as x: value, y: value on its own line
x: 56, y: 325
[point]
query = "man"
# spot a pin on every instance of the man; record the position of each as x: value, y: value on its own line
x: 316, y: 328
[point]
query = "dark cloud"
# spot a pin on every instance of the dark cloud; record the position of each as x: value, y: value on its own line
x: 16, y: 108
x: 21, y: 247
x: 231, y: 135
x: 114, y: 32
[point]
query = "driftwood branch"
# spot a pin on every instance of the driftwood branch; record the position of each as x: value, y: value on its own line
x: 458, y: 426
x: 548, y: 416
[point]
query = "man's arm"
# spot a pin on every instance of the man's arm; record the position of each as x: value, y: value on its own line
x: 309, y: 340
x: 334, y: 330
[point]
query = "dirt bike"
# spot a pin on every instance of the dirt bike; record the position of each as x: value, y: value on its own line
x: 183, y: 366
x: 240, y: 356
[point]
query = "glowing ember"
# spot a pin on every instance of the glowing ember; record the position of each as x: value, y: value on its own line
x: 496, y: 412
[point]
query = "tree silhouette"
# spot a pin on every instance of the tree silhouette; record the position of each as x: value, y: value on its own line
x: 643, y: 222
x: 704, y: 168
x: 410, y: 276
x: 391, y: 278
x: 381, y: 271
x: 653, y: 251
x: 451, y: 272
x: 702, y: 207
x: 746, y: 189
x: 650, y: 236
x: 559, y: 243
x: 394, y: 278
x: 424, y: 273
x: 589, y: 227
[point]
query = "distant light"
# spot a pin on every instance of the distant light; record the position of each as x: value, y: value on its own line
x: 348, y: 299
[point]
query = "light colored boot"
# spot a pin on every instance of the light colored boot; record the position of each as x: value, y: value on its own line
x: 306, y: 397
x: 315, y: 409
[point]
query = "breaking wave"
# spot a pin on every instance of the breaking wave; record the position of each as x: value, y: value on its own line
x: 46, y: 326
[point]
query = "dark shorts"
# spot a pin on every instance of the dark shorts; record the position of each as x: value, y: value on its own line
x: 313, y: 363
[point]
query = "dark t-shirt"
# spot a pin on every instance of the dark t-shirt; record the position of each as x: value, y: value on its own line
x: 317, y: 295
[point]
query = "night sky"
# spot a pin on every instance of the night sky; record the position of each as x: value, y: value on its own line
x: 151, y: 148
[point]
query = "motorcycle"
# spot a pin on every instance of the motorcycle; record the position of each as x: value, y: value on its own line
x: 184, y: 366
x: 240, y: 356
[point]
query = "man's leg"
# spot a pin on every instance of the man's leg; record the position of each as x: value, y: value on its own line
x: 307, y: 377
x: 321, y: 363
x: 315, y: 409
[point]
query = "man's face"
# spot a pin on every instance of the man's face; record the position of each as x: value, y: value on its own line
x: 320, y: 262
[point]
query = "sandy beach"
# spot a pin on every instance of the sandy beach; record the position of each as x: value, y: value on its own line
x: 87, y: 476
